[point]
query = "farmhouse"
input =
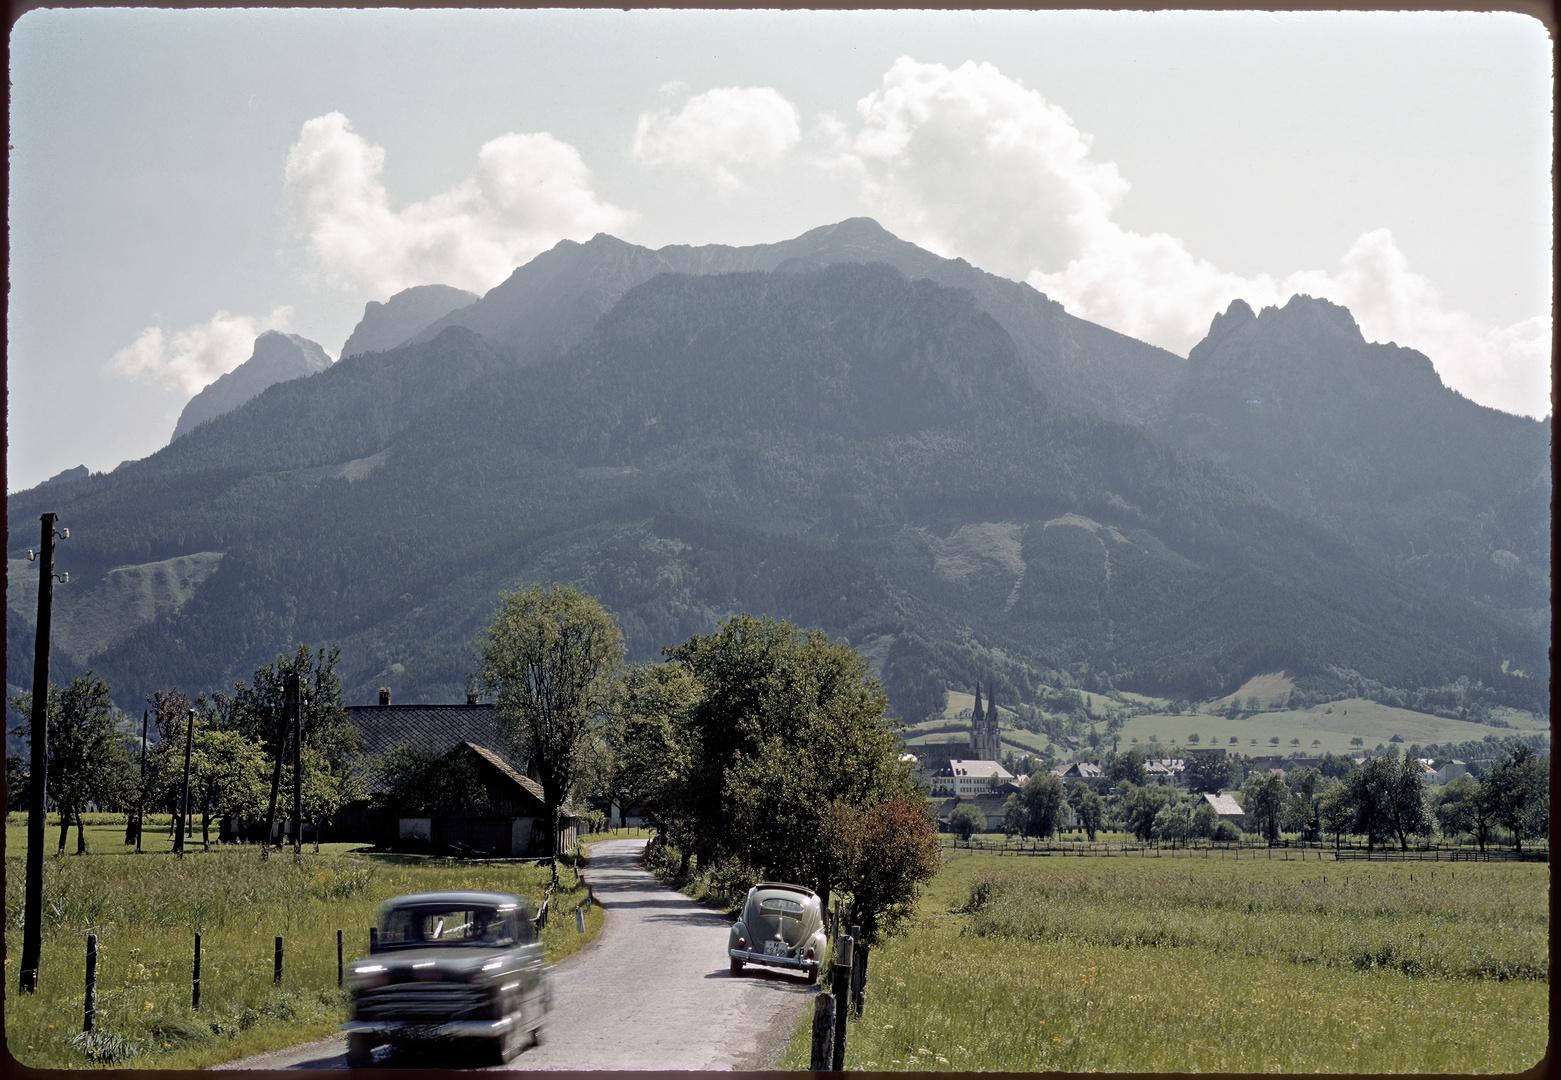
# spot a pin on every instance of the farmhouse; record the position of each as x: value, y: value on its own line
x: 511, y: 819
x: 1228, y: 809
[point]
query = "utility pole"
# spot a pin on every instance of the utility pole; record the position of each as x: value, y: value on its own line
x: 184, y: 801
x: 32, y: 915
x: 295, y: 704
x: 276, y: 784
x: 141, y: 797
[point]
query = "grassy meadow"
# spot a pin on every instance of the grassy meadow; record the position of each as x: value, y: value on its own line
x: 146, y: 909
x: 1211, y: 965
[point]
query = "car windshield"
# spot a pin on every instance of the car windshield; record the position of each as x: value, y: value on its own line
x: 449, y: 925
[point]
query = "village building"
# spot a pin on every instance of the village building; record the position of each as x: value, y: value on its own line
x: 963, y: 777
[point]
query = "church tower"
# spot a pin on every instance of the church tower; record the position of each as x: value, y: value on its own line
x: 985, y: 741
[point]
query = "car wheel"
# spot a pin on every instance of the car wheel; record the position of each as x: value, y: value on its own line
x: 360, y: 1051
x: 812, y: 976
x: 737, y: 967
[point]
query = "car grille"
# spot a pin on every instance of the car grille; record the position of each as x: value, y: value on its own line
x: 423, y: 1001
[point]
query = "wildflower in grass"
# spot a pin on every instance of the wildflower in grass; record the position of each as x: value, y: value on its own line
x: 943, y: 1059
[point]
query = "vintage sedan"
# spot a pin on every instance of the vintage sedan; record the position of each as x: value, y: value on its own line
x: 780, y: 926
x: 457, y: 967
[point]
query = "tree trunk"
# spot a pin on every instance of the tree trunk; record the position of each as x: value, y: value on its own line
x: 64, y: 830
x: 205, y: 830
x: 81, y: 834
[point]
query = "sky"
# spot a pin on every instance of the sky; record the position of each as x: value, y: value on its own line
x: 181, y: 181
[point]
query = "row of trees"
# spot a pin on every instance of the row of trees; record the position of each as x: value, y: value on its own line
x: 95, y: 754
x: 1384, y: 799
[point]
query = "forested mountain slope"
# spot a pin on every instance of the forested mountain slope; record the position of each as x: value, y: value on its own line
x: 841, y: 446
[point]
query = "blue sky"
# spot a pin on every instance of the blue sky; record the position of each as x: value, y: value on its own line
x: 183, y: 180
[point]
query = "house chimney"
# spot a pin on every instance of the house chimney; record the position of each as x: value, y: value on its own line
x: 471, y: 699
x: 384, y: 695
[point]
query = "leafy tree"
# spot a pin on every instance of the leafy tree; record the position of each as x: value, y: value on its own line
x: 1204, y: 820
x: 16, y: 782
x: 1207, y: 773
x: 882, y: 855
x: 966, y: 820
x: 88, y: 757
x: 1172, y: 822
x: 1461, y: 807
x: 1263, y: 797
x: 1390, y: 799
x: 1090, y: 808
x: 227, y: 776
x: 1336, y: 808
x: 1043, y: 797
x: 1141, y: 807
x: 1516, y: 792
x: 1128, y: 766
x: 786, y: 723
x: 655, y: 745
x: 1014, y: 816
x: 550, y: 658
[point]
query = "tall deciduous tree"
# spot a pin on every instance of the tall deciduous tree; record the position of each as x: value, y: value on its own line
x: 550, y: 659
x: 1516, y: 793
x: 1044, y: 798
x: 88, y: 753
x: 1390, y: 799
x: 1263, y: 798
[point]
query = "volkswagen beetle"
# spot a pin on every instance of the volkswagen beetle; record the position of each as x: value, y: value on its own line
x: 780, y: 926
x: 452, y: 966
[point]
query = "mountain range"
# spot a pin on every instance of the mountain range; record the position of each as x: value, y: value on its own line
x: 940, y: 465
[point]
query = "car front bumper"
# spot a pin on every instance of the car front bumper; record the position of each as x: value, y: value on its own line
x: 773, y: 961
x: 391, y: 1030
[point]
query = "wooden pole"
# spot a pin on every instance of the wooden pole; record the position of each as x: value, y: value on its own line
x: 842, y: 989
x: 276, y: 975
x: 823, y: 1033
x: 184, y: 803
x: 195, y: 975
x: 38, y: 737
x: 90, y: 1010
x: 296, y: 704
x: 338, y: 958
x: 858, y: 971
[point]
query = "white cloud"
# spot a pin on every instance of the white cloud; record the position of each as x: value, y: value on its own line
x: 188, y: 360
x: 719, y: 130
x: 969, y: 162
x: 527, y: 192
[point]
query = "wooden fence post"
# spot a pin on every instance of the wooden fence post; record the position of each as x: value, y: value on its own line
x: 579, y: 921
x: 338, y: 958
x: 823, y: 1033
x: 90, y: 1009
x: 195, y: 975
x: 858, y: 972
x: 276, y: 976
x: 842, y: 989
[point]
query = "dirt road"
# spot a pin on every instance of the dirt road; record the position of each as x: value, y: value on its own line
x: 652, y: 992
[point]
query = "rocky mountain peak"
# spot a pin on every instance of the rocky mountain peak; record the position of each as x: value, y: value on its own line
x: 277, y: 357
x: 389, y: 324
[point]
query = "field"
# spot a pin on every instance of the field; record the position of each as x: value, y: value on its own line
x: 146, y: 909
x: 1211, y: 965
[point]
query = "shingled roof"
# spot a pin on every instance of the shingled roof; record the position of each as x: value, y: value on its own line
x: 435, y: 728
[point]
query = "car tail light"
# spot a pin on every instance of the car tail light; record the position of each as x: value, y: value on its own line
x: 742, y: 943
x: 810, y: 954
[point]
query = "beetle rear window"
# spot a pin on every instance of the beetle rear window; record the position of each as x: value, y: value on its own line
x: 779, y: 903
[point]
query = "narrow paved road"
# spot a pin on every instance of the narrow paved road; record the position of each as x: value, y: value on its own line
x: 652, y: 992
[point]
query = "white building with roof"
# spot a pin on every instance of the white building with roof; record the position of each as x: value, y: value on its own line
x: 964, y: 777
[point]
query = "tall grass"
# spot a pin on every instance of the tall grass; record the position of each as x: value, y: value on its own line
x: 146, y: 911
x: 1084, y: 964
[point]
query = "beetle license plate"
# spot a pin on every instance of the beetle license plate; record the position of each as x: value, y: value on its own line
x: 775, y: 948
